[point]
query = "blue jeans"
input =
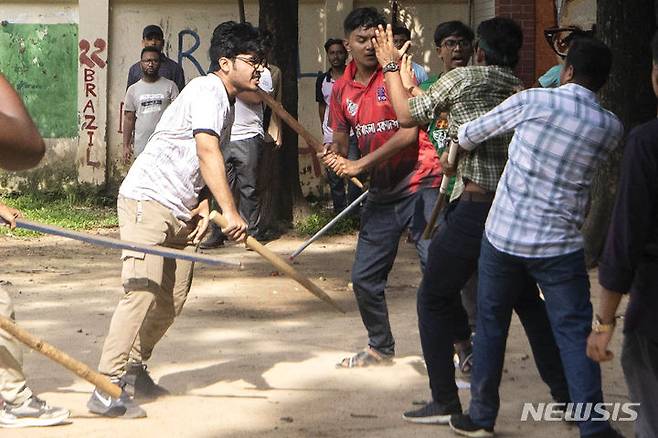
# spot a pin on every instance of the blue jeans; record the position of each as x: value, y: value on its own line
x: 565, y: 284
x: 337, y: 184
x: 442, y: 320
x: 382, y: 224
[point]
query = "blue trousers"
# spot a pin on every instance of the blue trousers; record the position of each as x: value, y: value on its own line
x: 565, y: 285
x: 382, y: 225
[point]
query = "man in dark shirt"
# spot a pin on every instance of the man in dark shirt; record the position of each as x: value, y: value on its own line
x: 630, y: 264
x: 152, y: 36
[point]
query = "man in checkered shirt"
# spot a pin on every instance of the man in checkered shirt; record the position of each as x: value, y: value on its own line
x: 533, y: 230
x: 466, y: 93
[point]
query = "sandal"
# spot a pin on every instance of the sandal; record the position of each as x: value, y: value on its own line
x: 365, y: 358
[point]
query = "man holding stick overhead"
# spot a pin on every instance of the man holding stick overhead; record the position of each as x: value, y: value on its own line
x: 21, y: 147
x: 161, y: 202
x: 404, y: 173
x: 466, y: 93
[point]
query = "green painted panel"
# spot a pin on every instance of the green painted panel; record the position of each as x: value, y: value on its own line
x: 40, y: 61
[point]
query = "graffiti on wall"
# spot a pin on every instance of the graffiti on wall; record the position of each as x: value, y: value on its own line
x: 39, y: 60
x: 91, y: 59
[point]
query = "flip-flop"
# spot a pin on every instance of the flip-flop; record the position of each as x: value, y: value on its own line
x: 365, y: 358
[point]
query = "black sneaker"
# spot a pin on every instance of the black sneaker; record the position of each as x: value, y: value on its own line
x: 138, y: 383
x: 432, y: 413
x: 32, y: 412
x: 463, y: 425
x: 107, y: 406
x: 215, y: 238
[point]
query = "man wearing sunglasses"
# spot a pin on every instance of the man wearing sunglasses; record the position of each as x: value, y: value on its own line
x: 164, y: 201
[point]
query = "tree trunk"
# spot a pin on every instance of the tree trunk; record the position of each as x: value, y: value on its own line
x: 626, y: 26
x: 281, y: 168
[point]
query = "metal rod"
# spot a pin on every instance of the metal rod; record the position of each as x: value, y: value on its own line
x: 324, y: 229
x: 279, y: 264
x: 122, y: 244
x: 443, y: 193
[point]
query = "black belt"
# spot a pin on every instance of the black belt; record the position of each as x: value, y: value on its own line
x: 477, y: 196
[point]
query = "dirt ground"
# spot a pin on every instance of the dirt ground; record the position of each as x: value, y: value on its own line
x: 252, y: 353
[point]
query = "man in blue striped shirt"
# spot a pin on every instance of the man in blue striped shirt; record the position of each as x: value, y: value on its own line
x: 533, y: 228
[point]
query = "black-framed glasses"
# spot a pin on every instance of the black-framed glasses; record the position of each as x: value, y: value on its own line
x: 254, y: 63
x: 452, y: 44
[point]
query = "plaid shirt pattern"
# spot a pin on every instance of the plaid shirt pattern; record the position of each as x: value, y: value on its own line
x: 560, y: 137
x: 466, y: 93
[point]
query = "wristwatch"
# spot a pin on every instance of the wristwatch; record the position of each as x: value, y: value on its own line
x: 599, y: 327
x: 392, y: 66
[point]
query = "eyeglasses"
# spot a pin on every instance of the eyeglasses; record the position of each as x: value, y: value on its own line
x: 559, y: 38
x: 451, y: 44
x: 255, y: 64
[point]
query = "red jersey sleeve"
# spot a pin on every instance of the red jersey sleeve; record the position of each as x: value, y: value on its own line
x: 337, y: 120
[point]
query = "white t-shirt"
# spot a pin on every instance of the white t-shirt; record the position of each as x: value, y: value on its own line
x: 248, y: 117
x: 168, y: 170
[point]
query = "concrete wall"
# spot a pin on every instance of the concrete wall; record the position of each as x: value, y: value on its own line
x: 109, y: 42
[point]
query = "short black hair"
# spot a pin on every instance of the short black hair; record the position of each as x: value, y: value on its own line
x: 452, y: 28
x: 150, y: 49
x: 230, y: 39
x: 363, y: 17
x: 501, y: 39
x: 152, y: 32
x: 402, y: 30
x: 654, y: 48
x: 591, y: 61
x: 331, y: 41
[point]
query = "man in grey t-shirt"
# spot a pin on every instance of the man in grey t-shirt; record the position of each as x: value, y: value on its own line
x: 145, y: 102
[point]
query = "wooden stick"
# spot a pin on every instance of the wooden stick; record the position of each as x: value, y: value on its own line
x: 80, y: 369
x: 279, y: 263
x: 443, y: 193
x: 298, y: 128
x: 123, y: 244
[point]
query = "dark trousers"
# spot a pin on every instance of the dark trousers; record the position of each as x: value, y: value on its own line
x: 442, y: 320
x: 382, y: 224
x: 639, y: 358
x: 337, y: 184
x: 241, y: 159
x: 503, y: 282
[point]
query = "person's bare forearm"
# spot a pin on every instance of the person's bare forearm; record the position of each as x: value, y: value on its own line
x: 399, y: 98
x: 211, y: 163
x: 21, y: 145
x: 128, y: 128
x: 405, y: 137
x: 608, y: 304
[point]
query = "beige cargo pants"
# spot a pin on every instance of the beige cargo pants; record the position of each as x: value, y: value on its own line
x: 155, y: 288
x: 13, y: 389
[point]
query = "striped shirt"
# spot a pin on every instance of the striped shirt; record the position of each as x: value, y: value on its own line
x: 560, y: 137
x: 466, y: 93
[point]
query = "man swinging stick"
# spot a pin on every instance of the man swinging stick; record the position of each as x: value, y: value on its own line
x: 161, y: 202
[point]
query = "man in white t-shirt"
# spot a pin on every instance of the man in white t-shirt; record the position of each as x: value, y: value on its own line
x: 241, y: 157
x: 144, y: 104
x: 162, y: 202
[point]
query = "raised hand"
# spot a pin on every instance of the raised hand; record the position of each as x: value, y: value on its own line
x: 385, y: 50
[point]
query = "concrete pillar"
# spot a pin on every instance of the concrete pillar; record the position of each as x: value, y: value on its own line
x: 92, y: 90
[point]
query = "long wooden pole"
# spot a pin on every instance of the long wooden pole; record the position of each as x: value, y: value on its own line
x: 80, y: 369
x: 279, y: 264
x: 313, y: 142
